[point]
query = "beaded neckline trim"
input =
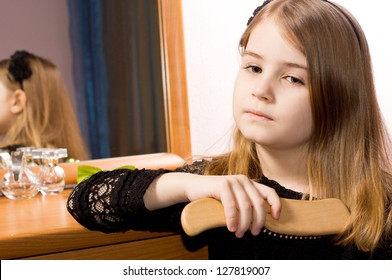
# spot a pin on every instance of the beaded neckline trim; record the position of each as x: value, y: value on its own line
x: 286, y: 236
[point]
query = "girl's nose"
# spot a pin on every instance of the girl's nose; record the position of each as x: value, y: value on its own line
x: 263, y: 92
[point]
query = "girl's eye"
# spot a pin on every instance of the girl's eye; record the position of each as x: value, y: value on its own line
x: 253, y: 69
x: 294, y: 80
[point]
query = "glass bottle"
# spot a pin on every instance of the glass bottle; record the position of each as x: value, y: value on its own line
x: 18, y: 180
x: 52, y: 175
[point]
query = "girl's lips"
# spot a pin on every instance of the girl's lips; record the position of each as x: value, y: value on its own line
x: 259, y: 115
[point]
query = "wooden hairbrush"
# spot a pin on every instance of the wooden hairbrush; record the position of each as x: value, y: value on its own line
x: 297, y: 217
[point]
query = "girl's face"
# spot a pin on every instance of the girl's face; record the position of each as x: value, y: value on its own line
x: 271, y: 104
x: 6, y: 116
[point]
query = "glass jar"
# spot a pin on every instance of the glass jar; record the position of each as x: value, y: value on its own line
x: 18, y: 180
x: 52, y: 176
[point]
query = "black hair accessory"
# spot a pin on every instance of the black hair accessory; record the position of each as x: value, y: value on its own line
x: 257, y: 10
x: 19, y: 67
x: 265, y: 3
x: 348, y: 19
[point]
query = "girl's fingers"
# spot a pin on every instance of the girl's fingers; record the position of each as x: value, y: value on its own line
x: 244, y: 205
x: 237, y: 208
x: 258, y: 208
x: 270, y: 196
x: 250, y: 205
x: 230, y: 210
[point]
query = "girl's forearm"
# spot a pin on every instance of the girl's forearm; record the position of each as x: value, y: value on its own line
x: 167, y: 189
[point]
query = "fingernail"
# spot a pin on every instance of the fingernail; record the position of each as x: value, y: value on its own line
x: 232, y: 228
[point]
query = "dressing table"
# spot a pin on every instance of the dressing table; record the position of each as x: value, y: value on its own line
x: 42, y: 228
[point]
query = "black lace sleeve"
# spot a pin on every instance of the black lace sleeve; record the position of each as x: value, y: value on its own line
x: 112, y: 201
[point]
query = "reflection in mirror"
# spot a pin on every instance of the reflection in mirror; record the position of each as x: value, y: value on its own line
x: 118, y: 76
x: 43, y: 27
x: 122, y: 55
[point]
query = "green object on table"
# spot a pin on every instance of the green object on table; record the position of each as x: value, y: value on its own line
x: 86, y: 171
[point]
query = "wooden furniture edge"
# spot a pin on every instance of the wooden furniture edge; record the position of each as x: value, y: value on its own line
x: 168, y: 247
x: 149, y: 161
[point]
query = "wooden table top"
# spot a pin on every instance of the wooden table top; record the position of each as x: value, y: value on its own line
x: 42, y: 224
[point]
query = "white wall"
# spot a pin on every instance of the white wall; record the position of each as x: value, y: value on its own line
x: 212, y: 29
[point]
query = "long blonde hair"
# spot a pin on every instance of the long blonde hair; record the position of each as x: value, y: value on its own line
x: 48, y: 119
x: 349, y: 151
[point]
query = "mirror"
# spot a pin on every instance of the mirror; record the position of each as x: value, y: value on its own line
x: 31, y: 33
x: 122, y: 54
x: 175, y: 99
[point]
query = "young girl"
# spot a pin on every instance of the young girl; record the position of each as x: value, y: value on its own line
x: 35, y: 109
x: 308, y: 126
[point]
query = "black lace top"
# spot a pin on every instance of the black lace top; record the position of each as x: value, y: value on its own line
x: 112, y: 201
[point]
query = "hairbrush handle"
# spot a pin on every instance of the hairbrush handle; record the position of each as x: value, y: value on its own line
x: 297, y: 217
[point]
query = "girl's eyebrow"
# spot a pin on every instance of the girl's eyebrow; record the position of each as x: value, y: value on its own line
x: 290, y: 64
x: 252, y: 54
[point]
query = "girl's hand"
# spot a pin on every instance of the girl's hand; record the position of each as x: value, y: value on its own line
x: 243, y: 200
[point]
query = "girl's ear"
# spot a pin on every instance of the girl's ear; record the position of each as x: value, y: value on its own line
x: 18, y: 102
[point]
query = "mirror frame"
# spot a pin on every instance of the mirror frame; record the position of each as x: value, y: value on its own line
x: 174, y: 78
